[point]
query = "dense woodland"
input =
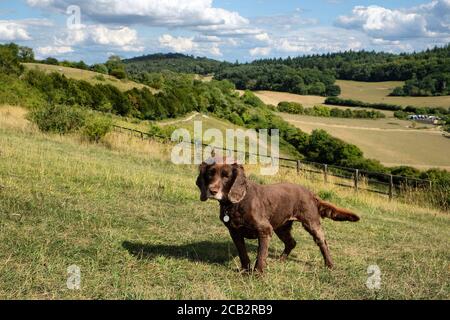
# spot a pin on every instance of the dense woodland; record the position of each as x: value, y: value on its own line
x: 179, y: 94
x: 175, y: 62
x: 279, y: 77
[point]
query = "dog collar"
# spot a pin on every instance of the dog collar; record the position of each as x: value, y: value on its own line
x: 226, y: 216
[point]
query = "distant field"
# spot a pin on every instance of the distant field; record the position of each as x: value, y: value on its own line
x: 90, y: 76
x: 379, y: 92
x: 275, y: 97
x: 388, y: 140
x: 373, y: 92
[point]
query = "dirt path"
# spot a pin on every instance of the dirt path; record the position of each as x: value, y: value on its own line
x: 192, y: 116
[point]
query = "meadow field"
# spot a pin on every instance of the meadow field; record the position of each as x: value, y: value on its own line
x: 378, y: 92
x: 89, y: 76
x: 275, y: 97
x: 372, y: 92
x: 390, y: 140
x: 133, y: 223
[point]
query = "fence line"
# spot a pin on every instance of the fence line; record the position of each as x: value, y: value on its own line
x: 388, y: 184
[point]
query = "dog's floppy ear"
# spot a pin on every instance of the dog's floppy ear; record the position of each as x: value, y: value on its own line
x: 201, y: 184
x: 239, y: 188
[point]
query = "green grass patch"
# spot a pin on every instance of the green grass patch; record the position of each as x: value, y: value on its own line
x: 133, y: 223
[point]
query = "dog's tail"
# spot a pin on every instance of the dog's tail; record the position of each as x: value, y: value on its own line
x: 328, y: 210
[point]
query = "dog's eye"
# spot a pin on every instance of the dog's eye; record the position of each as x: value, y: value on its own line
x: 225, y: 174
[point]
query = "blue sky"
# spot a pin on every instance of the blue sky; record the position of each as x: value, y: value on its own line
x: 222, y: 29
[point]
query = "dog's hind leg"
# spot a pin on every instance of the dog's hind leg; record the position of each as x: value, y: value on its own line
x: 284, y: 233
x: 315, y: 230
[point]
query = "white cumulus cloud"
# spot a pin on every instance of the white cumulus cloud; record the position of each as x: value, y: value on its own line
x: 260, y: 51
x: 53, y: 50
x: 12, y: 31
x: 178, y: 44
x: 198, y: 15
x: 428, y: 20
x: 122, y: 38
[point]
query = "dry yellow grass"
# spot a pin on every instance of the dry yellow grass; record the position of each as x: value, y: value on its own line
x: 275, y: 97
x: 378, y: 92
x: 13, y: 117
x: 388, y: 140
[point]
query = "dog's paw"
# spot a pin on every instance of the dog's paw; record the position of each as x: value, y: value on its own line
x: 283, y: 257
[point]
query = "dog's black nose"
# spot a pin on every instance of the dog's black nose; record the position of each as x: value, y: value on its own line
x: 213, y: 192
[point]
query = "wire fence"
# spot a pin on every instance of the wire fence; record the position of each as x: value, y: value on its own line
x: 374, y: 182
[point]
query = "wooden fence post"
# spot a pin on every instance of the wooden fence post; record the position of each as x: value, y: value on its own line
x: 298, y: 167
x: 325, y: 173
x: 391, y: 187
x: 356, y: 178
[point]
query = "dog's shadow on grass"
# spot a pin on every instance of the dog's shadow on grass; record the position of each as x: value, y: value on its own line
x: 203, y: 251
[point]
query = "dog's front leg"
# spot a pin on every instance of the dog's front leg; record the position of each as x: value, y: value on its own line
x: 239, y: 242
x: 264, y: 236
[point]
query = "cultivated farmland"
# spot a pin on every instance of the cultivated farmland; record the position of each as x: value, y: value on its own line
x: 378, y: 92
x: 389, y: 140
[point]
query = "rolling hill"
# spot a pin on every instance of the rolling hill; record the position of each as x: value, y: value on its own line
x: 89, y: 76
x: 175, y: 62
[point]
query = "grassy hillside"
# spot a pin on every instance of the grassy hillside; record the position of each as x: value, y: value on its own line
x: 187, y: 122
x: 89, y: 76
x: 133, y: 223
x: 389, y: 140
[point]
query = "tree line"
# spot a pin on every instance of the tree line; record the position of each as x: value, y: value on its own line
x: 324, y: 111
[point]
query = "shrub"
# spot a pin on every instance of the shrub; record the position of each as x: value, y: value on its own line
x: 9, y: 59
x: 13, y: 91
x: 100, y: 68
x: 58, y: 118
x: 164, y: 132
x: 96, y: 127
x: 118, y: 73
x: 100, y: 77
x: 291, y: 107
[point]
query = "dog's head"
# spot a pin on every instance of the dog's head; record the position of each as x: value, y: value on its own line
x: 222, y: 181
